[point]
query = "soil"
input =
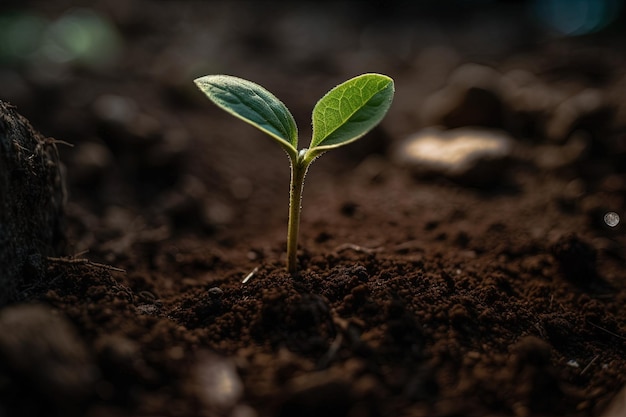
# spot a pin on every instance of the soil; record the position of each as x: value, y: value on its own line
x: 415, y: 296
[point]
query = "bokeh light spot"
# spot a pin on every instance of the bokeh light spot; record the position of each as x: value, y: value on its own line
x: 577, y: 17
x: 611, y: 219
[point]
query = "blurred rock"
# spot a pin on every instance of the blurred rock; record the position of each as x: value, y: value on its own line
x: 91, y: 162
x: 470, y: 98
x: 535, y: 109
x: 529, y: 103
x: 435, y: 63
x: 617, y: 407
x: 576, y: 259
x: 170, y: 151
x: 588, y: 109
x: 575, y: 119
x: 372, y: 170
x: 468, y: 155
x: 617, y: 97
x: 180, y: 206
x: 41, y: 355
x: 317, y: 394
x: 143, y: 144
x: 241, y: 188
x: 188, y: 205
x: 123, y: 125
x: 537, y: 381
x: 32, y: 187
x: 552, y: 157
x: 218, y: 213
x: 122, y: 362
x: 217, y: 383
x: 115, y: 109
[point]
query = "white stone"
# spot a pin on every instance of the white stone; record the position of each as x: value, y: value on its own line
x: 456, y: 152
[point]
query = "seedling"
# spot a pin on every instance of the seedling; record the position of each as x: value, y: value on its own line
x: 343, y: 115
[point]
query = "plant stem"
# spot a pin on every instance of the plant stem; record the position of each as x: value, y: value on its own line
x: 299, y: 166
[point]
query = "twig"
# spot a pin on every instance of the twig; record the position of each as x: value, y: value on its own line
x: 82, y: 261
x: 409, y: 244
x: 589, y: 364
x: 331, y: 353
x: 607, y: 331
x: 250, y: 275
x: 59, y: 142
x: 357, y: 248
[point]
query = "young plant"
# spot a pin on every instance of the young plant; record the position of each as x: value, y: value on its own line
x: 343, y: 115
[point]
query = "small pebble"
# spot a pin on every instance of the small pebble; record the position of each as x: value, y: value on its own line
x: 215, y: 292
x: 147, y: 309
x: 573, y: 363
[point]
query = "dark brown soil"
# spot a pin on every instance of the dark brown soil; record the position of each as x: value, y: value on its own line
x: 415, y: 297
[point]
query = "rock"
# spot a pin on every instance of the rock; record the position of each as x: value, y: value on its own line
x: 115, y: 109
x: 587, y: 110
x: 42, y: 356
x: 542, y: 111
x: 554, y: 157
x: 536, y: 381
x: 91, y: 163
x: 470, y: 98
x: 616, y: 98
x: 468, y: 155
x: 576, y: 259
x: 122, y: 363
x: 317, y: 394
x: 32, y: 187
x: 217, y: 383
x: 529, y: 103
x: 617, y: 407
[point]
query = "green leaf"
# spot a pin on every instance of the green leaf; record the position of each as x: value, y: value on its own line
x: 253, y: 104
x: 350, y: 110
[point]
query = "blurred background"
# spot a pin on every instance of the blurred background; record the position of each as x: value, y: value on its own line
x: 165, y: 185
x: 114, y: 79
x: 50, y: 50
